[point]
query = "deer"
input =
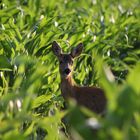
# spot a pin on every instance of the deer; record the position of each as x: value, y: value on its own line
x: 92, y: 98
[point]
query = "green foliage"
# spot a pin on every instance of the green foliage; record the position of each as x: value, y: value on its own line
x: 30, y: 99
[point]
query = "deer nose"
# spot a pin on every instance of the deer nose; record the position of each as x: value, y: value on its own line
x: 67, y: 71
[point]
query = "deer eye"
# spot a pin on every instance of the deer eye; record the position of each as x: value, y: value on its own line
x: 61, y: 62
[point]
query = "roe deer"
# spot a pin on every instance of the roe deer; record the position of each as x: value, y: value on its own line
x: 91, y: 97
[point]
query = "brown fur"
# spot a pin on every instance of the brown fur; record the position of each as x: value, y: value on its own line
x: 91, y: 97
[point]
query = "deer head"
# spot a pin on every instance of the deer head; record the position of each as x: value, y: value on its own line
x: 66, y: 59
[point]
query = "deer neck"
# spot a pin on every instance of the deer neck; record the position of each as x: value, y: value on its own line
x: 67, y: 87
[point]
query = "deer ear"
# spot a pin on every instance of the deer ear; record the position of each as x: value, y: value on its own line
x: 77, y: 50
x: 56, y: 48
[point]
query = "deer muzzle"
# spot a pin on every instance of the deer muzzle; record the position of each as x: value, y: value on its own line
x: 67, y: 71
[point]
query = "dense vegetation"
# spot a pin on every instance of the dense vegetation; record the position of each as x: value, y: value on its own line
x: 30, y: 99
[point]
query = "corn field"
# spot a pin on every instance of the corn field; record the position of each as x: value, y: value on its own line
x: 31, y: 105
